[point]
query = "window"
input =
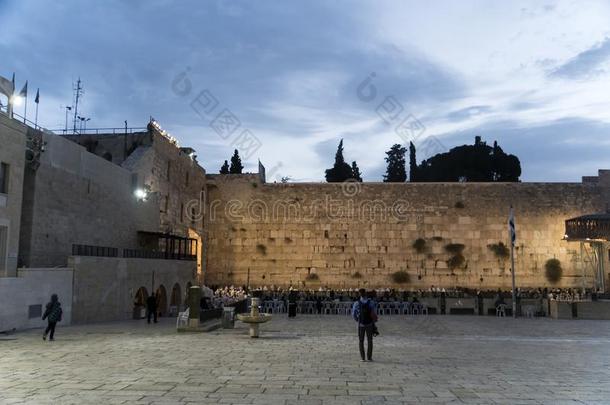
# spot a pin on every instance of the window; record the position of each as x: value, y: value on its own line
x: 4, y: 178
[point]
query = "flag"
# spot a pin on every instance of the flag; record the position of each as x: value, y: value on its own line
x: 24, y: 90
x: 37, y: 99
x: 511, y: 226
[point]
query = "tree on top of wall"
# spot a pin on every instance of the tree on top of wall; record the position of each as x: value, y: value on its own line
x: 225, y: 168
x: 356, y: 175
x: 412, y: 163
x: 236, y: 166
x: 476, y: 163
x: 396, y: 171
x: 341, y: 171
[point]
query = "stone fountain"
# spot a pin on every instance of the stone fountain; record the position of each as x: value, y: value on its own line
x: 255, y: 318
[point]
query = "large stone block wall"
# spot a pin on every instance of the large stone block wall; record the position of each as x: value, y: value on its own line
x: 105, y: 288
x: 75, y: 197
x: 278, y: 234
x: 12, y: 152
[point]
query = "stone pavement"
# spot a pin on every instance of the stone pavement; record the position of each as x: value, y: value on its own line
x: 313, y: 360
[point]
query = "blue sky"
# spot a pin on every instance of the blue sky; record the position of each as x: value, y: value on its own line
x: 533, y: 75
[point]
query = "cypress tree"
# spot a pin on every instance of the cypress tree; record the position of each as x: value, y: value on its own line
x: 356, y: 172
x: 341, y: 171
x: 236, y: 166
x: 225, y: 168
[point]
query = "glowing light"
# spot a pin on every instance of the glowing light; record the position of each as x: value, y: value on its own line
x: 141, y: 194
x: 16, y: 100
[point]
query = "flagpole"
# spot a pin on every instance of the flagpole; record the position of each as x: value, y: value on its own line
x: 36, y: 100
x: 25, y: 111
x: 512, y: 258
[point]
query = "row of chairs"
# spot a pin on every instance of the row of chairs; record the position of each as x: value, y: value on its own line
x: 345, y: 308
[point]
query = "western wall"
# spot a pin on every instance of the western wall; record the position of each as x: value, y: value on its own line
x: 346, y: 235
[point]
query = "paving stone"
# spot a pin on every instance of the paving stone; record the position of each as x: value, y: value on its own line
x: 314, y: 360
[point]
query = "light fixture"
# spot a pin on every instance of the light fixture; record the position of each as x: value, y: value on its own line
x: 141, y: 194
x: 16, y: 100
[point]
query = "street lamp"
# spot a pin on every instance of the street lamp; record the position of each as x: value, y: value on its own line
x: 67, y: 109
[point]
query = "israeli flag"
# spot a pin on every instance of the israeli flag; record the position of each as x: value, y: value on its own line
x: 511, y: 226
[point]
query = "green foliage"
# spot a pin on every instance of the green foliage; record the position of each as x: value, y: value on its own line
x: 400, y: 277
x: 396, y: 171
x: 356, y: 175
x: 475, y: 163
x: 254, y: 184
x: 262, y: 249
x: 236, y: 166
x: 553, y: 270
x: 459, y: 205
x: 341, y: 171
x: 312, y: 277
x: 225, y: 168
x: 357, y: 275
x: 412, y: 163
x: 454, y: 248
x: 419, y: 245
x: 456, y: 261
x: 500, y: 250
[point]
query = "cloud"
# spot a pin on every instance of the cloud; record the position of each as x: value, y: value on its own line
x: 586, y: 63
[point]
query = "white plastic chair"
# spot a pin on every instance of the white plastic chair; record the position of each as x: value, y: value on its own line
x: 183, y: 318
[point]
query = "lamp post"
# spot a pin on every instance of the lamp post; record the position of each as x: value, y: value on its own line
x: 67, y: 110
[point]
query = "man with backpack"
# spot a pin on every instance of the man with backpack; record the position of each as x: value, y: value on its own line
x: 52, y: 313
x: 363, y: 312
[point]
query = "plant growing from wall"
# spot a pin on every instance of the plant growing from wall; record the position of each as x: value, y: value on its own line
x: 400, y: 277
x: 262, y: 249
x: 357, y: 275
x: 419, y: 245
x: 312, y: 277
x: 500, y: 250
x: 553, y: 270
x: 459, y: 205
x: 457, y: 259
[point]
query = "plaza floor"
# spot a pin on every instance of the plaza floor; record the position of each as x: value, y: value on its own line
x: 313, y: 360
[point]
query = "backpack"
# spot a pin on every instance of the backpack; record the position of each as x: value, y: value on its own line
x: 366, y: 313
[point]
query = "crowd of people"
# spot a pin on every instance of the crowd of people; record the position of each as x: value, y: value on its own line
x: 393, y: 295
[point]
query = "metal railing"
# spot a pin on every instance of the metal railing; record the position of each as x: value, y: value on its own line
x: 150, y: 254
x: 89, y: 250
x: 98, y: 131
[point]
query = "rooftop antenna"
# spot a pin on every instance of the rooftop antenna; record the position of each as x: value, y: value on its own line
x: 78, y: 92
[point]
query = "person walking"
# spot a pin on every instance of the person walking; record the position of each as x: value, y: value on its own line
x: 151, y: 307
x: 363, y: 312
x: 52, y: 314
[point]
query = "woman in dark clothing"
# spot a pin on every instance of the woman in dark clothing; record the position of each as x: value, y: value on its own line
x: 53, y: 314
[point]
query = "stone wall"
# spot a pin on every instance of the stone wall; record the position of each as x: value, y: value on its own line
x: 33, y: 287
x: 105, y: 288
x: 76, y: 197
x: 359, y: 234
x: 12, y: 152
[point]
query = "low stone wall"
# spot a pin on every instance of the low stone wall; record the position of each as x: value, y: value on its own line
x: 27, y: 295
x: 580, y: 310
x: 105, y: 288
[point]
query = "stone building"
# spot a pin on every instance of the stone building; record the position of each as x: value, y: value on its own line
x: 162, y: 170
x: 12, y: 164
